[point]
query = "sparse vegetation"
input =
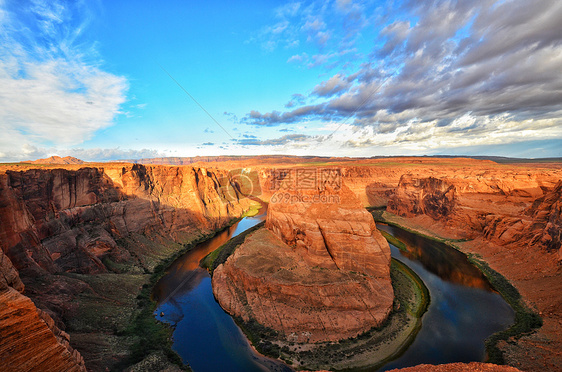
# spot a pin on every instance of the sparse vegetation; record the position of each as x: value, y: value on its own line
x: 371, y: 349
x: 153, y: 336
x: 120, y: 311
x: 252, y: 211
x: 221, y: 254
x: 526, y: 319
x: 395, y: 242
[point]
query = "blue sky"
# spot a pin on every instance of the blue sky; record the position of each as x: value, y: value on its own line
x: 343, y: 77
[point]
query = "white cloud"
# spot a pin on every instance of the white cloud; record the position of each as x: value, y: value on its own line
x: 52, y: 90
x: 443, y: 75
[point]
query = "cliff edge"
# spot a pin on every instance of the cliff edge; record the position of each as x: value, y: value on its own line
x: 320, y: 271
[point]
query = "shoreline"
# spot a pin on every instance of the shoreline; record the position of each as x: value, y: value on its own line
x: 146, y: 327
x: 372, y: 349
x: 526, y: 322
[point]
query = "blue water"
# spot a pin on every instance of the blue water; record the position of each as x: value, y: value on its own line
x: 205, y: 336
x: 463, y: 311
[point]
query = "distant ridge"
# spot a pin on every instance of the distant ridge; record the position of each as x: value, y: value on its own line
x: 229, y: 158
x: 265, y: 159
x: 56, y: 160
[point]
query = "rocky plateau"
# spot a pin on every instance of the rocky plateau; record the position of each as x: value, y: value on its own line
x: 319, y: 271
x: 79, y: 241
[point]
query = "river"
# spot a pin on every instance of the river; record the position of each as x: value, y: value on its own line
x: 463, y: 311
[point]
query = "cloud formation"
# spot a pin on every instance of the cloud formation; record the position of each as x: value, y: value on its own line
x: 447, y: 72
x: 289, y: 139
x: 53, y: 91
x: 30, y: 152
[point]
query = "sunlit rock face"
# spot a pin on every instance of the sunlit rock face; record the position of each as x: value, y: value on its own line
x: 430, y: 196
x: 458, y: 367
x: 68, y: 220
x: 491, y: 206
x: 320, y: 271
x: 56, y: 221
x: 30, y: 339
x: 546, y: 227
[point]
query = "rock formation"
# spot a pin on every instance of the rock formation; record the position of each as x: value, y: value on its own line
x: 329, y: 228
x: 546, y: 225
x: 30, y: 340
x: 319, y: 272
x: 492, y: 208
x: 60, y: 220
x: 57, y: 160
x: 9, y: 276
x: 430, y: 196
x: 457, y: 367
x: 125, y: 218
x: 89, y: 221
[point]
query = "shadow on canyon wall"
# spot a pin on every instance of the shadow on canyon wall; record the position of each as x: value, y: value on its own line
x: 58, y: 227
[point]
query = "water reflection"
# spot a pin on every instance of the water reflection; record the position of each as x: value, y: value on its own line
x: 440, y: 259
x: 185, y: 274
x: 464, y: 309
x: 205, y: 336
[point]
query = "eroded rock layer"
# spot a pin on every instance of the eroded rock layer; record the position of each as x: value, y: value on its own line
x: 30, y: 341
x: 319, y: 272
x: 458, y: 367
x: 62, y: 221
x: 431, y: 196
x: 119, y: 219
x: 471, y: 204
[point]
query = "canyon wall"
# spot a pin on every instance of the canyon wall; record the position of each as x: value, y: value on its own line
x: 68, y: 221
x: 59, y: 227
x: 82, y: 241
x: 520, y: 211
x: 319, y: 271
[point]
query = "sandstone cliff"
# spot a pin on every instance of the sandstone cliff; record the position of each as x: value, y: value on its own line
x: 546, y: 225
x: 120, y: 220
x: 458, y: 367
x: 329, y: 228
x: 60, y: 221
x: 30, y: 340
x: 319, y: 272
x: 517, y: 213
x: 431, y: 196
x: 9, y: 276
x: 116, y: 219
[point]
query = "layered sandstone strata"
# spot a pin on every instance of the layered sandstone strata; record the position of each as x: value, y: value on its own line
x: 458, y: 367
x: 431, y: 196
x: 546, y: 226
x: 117, y: 219
x: 319, y: 272
x: 30, y: 340
x: 60, y: 220
x: 520, y: 214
